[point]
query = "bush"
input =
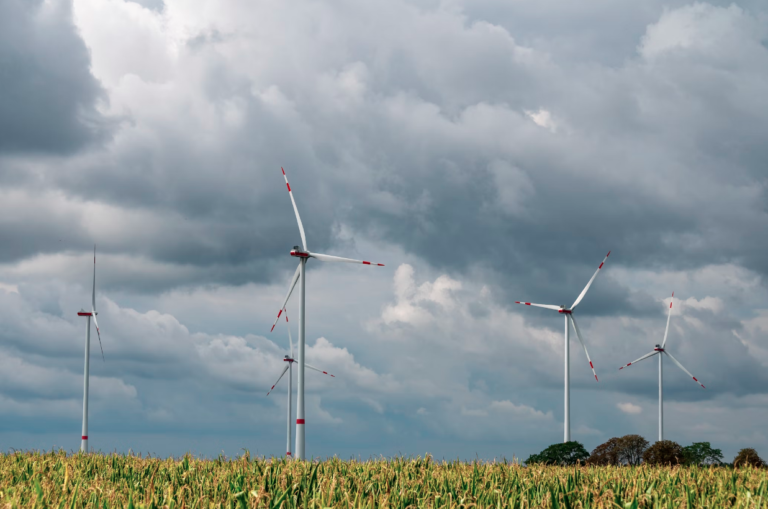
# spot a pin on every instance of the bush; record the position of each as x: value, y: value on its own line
x: 748, y: 457
x: 569, y: 453
x: 664, y: 452
x: 701, y: 453
x: 606, y: 454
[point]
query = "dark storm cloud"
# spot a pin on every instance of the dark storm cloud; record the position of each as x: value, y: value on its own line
x: 501, y: 156
x: 48, y: 99
x: 442, y: 157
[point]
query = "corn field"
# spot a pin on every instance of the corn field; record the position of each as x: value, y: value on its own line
x: 58, y: 480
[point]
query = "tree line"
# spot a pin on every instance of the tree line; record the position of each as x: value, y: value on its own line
x: 635, y: 450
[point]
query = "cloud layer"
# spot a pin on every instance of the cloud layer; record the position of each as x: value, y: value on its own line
x: 486, y: 152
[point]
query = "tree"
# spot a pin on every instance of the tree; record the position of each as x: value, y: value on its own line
x: 664, y: 452
x: 569, y: 453
x: 606, y: 454
x: 631, y: 449
x: 701, y: 453
x: 748, y: 457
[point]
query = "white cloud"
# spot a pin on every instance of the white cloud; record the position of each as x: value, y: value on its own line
x: 629, y: 408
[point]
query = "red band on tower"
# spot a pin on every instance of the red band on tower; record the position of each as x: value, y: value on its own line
x: 299, y: 421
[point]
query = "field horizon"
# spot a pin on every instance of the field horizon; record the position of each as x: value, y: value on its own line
x: 59, y: 479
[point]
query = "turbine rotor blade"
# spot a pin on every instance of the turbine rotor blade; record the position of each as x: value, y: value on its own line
x: 290, y: 290
x: 296, y: 210
x: 640, y: 359
x: 288, y: 326
x: 98, y: 333
x: 278, y: 378
x: 578, y: 335
x: 329, y: 258
x: 93, y: 305
x: 318, y: 370
x: 669, y: 315
x: 584, y: 291
x: 686, y: 371
x: 546, y: 306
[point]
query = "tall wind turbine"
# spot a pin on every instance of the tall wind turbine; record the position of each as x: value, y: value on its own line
x: 660, y: 350
x: 568, y: 312
x: 303, y: 255
x: 92, y: 314
x: 289, y: 367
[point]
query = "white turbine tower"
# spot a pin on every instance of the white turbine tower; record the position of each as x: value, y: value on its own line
x: 568, y: 312
x: 300, y: 274
x: 660, y: 350
x: 289, y: 367
x: 92, y: 314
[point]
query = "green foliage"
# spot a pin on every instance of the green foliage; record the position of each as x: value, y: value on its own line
x: 701, y: 453
x: 90, y: 481
x: 569, y: 453
x: 748, y: 457
x: 664, y: 452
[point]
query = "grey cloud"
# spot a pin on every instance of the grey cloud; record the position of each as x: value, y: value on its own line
x: 49, y: 97
x: 474, y: 143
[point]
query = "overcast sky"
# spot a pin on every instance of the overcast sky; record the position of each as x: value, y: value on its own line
x: 485, y: 151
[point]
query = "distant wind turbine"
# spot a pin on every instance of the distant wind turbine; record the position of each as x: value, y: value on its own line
x: 660, y: 350
x: 289, y: 368
x: 92, y: 314
x: 303, y: 255
x: 568, y: 312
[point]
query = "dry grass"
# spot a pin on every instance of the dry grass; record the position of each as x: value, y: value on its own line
x: 58, y: 480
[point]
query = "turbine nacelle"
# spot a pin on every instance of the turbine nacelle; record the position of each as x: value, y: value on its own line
x: 297, y: 252
x: 564, y: 311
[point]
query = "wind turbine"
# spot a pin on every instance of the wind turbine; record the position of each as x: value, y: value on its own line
x: 92, y: 314
x: 303, y: 255
x: 289, y: 367
x: 660, y: 350
x: 568, y: 312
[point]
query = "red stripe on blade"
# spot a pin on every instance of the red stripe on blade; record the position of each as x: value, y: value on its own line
x: 609, y: 254
x: 289, y: 186
x: 600, y: 267
x: 283, y: 174
x: 596, y: 380
x: 670, y: 305
x: 380, y: 264
x: 273, y: 328
x: 299, y: 421
x: 590, y: 365
x: 366, y: 263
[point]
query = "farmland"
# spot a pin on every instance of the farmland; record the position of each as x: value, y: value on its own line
x: 34, y: 479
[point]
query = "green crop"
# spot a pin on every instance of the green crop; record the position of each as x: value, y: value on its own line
x: 58, y: 480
